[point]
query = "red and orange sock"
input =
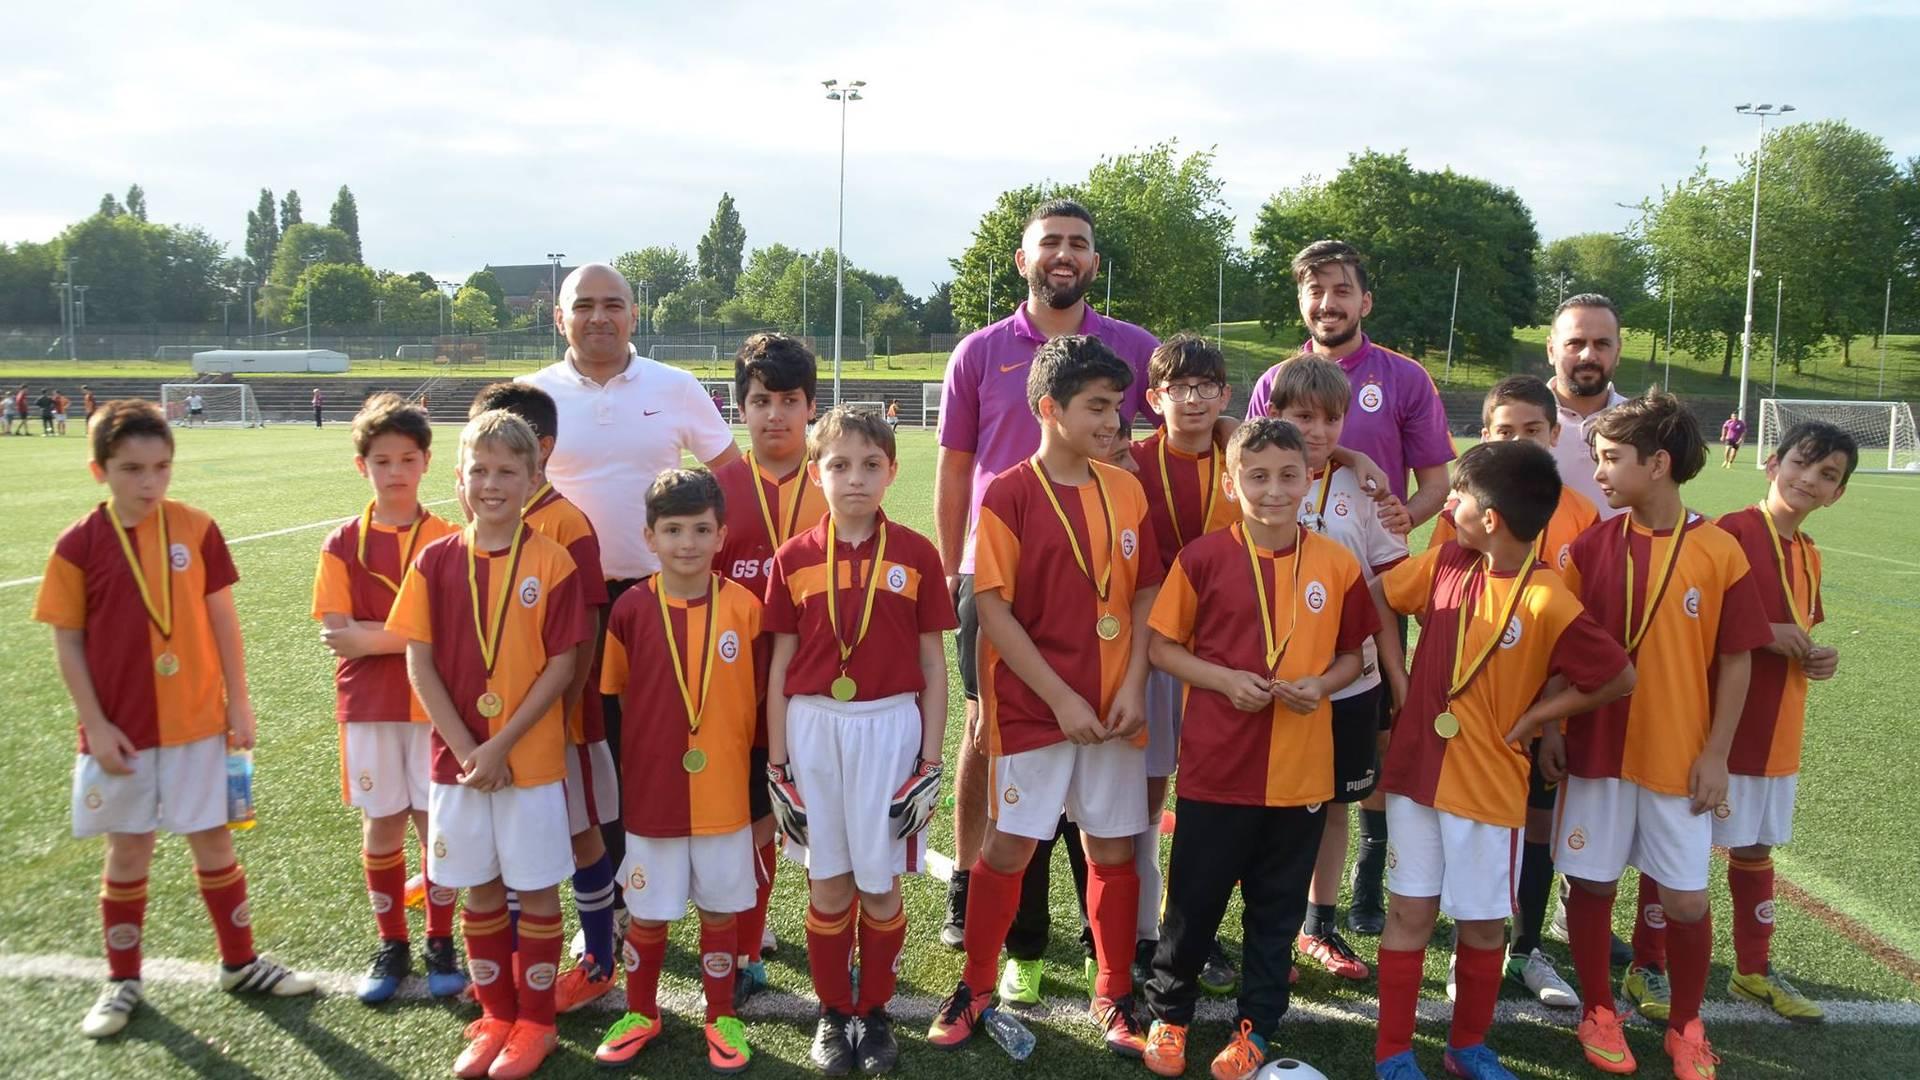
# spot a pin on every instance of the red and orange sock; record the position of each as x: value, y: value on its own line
x: 830, y: 957
x: 440, y: 901
x: 992, y: 900
x: 1399, y: 996
x: 1113, y: 906
x: 752, y: 924
x: 225, y: 893
x: 1692, y: 949
x: 490, y: 962
x: 1477, y: 974
x: 649, y: 952
x: 1590, y: 937
x: 718, y: 940
x: 536, y: 964
x: 880, y: 944
x: 1650, y: 926
x: 386, y: 891
x: 1751, y: 883
x: 123, y: 917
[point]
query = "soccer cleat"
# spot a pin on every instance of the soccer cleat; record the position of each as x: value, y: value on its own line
x: 1400, y: 1066
x: 113, y: 1008
x: 1774, y: 991
x: 727, y: 1049
x: 956, y: 1018
x: 1218, y: 976
x: 265, y: 975
x: 832, y: 1050
x: 1020, y: 982
x: 1332, y: 952
x: 954, y: 934
x: 1693, y: 1058
x: 1243, y: 1055
x: 625, y: 1039
x: 1648, y: 990
x: 392, y: 963
x: 876, y: 1050
x: 580, y: 984
x: 445, y: 976
x: 1535, y: 972
x: 769, y: 944
x: 486, y: 1037
x: 1166, y: 1053
x: 527, y: 1046
x: 1119, y: 1028
x: 1604, y: 1042
x: 1367, y: 911
x: 1476, y: 1063
x: 749, y: 978
x: 416, y: 894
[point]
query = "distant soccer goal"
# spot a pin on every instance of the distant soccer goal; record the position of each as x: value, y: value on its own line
x: 1884, y: 430
x: 929, y: 404
x: 416, y: 352
x: 224, y: 404
x: 685, y: 354
x: 181, y: 352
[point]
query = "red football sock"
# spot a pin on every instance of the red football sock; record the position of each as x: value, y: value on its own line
x: 440, y: 900
x: 536, y: 962
x: 1751, y: 883
x: 123, y: 914
x: 1476, y: 976
x: 225, y: 892
x: 830, y: 957
x: 1650, y: 927
x: 1399, y: 995
x: 992, y: 900
x: 880, y: 944
x: 718, y: 942
x: 752, y: 924
x: 1113, y: 908
x: 1590, y: 938
x: 1692, y: 950
x: 490, y: 962
x: 386, y: 890
x: 648, y: 945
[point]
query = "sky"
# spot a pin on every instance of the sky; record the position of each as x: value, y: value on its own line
x: 486, y: 132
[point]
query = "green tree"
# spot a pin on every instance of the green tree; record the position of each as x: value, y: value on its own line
x: 289, y: 211
x: 345, y: 216
x: 1906, y: 273
x: 759, y: 286
x: 487, y: 283
x: 472, y: 310
x: 1610, y: 264
x: 342, y: 294
x: 995, y: 239
x: 137, y: 202
x: 109, y: 206
x: 405, y: 301
x: 719, y: 251
x: 25, y: 298
x: 263, y: 234
x: 693, y: 306
x: 660, y: 270
x: 137, y: 271
x: 936, y: 314
x: 1695, y: 237
x: 289, y: 263
x: 1162, y: 231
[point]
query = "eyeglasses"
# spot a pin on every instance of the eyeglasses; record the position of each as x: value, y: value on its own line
x: 1181, y: 393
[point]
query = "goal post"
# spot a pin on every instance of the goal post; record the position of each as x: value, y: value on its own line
x: 224, y: 404
x: 1884, y: 430
x: 930, y: 403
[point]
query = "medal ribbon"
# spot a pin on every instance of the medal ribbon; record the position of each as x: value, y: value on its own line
x: 1101, y: 584
x: 1656, y: 588
x: 1326, y: 490
x: 833, y: 591
x: 778, y: 536
x: 1460, y: 680
x: 406, y: 558
x: 1166, y: 488
x: 162, y: 614
x: 490, y: 642
x: 710, y: 647
x: 545, y: 487
x: 1275, y: 652
x: 1786, y: 582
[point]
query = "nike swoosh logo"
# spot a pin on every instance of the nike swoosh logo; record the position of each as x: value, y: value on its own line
x: 1004, y: 368
x: 650, y: 412
x: 1616, y: 1057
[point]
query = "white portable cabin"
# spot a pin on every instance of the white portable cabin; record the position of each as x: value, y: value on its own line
x: 240, y: 361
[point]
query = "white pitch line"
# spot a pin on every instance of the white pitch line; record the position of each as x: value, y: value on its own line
x: 682, y: 997
x: 35, y: 580
x: 1824, y: 549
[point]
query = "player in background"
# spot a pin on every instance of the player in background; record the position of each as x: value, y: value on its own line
x: 1731, y: 432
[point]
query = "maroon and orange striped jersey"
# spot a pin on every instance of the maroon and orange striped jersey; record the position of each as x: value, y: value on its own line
x: 371, y: 688
x: 559, y: 519
x: 1184, y: 501
x: 1772, y: 726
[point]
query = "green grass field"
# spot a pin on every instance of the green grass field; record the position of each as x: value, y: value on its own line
x: 1853, y: 852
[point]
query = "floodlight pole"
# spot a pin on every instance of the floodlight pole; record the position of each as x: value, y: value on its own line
x: 310, y: 258
x: 226, y: 319
x: 248, y: 287
x: 989, y: 319
x: 850, y: 94
x: 1666, y: 382
x: 1779, y: 291
x: 1109, y: 311
x: 1452, y: 317
x: 1220, y: 308
x: 72, y: 354
x: 80, y: 306
x: 1886, y: 315
x: 553, y: 294
x: 1753, y: 240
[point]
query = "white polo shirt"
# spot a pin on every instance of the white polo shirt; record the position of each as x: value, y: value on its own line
x: 615, y: 439
x: 1574, y: 458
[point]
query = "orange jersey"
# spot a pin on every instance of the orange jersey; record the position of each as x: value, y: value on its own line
x: 795, y: 505
x: 90, y: 587
x: 1571, y: 518
x: 555, y: 517
x: 1184, y: 501
x: 371, y: 688
x: 1023, y: 552
x: 910, y: 598
x: 545, y: 617
x: 1477, y: 774
x: 1320, y: 607
x: 1774, y: 722
x: 1710, y: 607
x: 660, y: 795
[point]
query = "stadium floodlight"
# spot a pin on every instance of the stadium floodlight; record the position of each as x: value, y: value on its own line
x: 553, y: 295
x: 851, y: 93
x: 1762, y: 111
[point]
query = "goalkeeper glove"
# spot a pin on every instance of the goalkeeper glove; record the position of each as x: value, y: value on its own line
x: 914, y: 802
x: 789, y: 811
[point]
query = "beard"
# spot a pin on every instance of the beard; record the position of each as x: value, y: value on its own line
x: 1057, y: 297
x: 1594, y: 388
x: 1335, y: 339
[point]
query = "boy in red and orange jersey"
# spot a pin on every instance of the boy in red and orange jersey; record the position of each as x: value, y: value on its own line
x: 139, y: 596
x: 385, y: 740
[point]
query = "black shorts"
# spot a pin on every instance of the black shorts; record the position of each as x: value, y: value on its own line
x: 965, y: 640
x: 759, y: 799
x: 1542, y: 793
x: 1356, y: 729
x: 190, y: 412
x: 1732, y: 444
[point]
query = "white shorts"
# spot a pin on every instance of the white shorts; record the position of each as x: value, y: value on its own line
x: 593, y: 793
x: 386, y: 766
x: 1102, y: 787
x: 181, y: 789
x: 1757, y: 810
x: 1163, y: 723
x: 660, y: 874
x: 1600, y: 827
x: 848, y: 759
x: 1470, y: 865
x: 516, y: 834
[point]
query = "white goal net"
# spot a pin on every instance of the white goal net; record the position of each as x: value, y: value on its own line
x: 226, y: 404
x: 685, y: 354
x: 929, y: 404
x: 1883, y: 429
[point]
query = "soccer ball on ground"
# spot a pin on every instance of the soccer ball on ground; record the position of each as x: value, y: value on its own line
x: 1288, y: 1069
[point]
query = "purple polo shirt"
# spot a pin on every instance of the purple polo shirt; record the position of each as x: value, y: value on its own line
x: 983, y: 399
x: 1396, y: 417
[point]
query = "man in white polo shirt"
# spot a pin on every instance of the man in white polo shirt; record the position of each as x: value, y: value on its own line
x: 1584, y: 348
x: 623, y: 420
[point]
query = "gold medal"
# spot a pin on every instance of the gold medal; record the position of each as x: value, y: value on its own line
x: 490, y: 641
x: 161, y: 613
x: 694, y: 760
x: 489, y: 705
x: 844, y: 688
x: 1446, y: 725
x: 1108, y: 627
x: 167, y: 664
x: 1802, y: 620
x: 1656, y: 587
x: 1275, y: 650
x: 694, y: 710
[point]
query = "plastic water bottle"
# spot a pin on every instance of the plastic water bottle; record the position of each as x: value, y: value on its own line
x: 1012, y: 1035
x: 240, y: 789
